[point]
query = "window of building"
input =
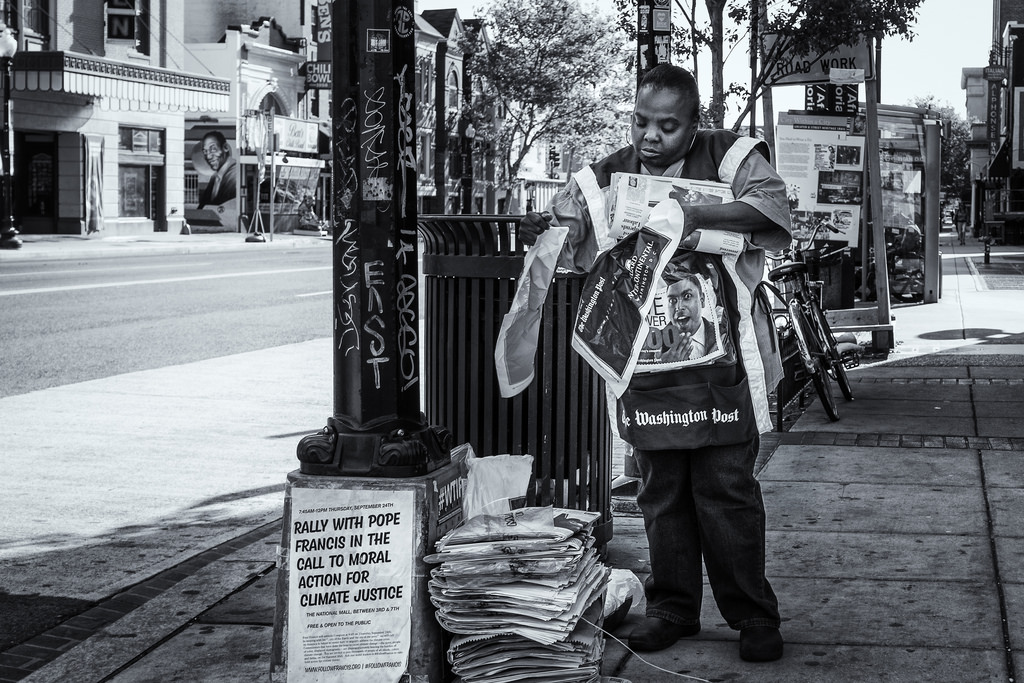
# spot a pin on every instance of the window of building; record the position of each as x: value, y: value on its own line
x: 142, y: 140
x: 128, y: 22
x: 35, y: 171
x: 453, y: 91
x: 36, y: 22
x: 40, y: 185
x: 425, y: 79
x: 191, y: 188
x: 133, y: 191
x: 140, y: 172
x: 425, y: 157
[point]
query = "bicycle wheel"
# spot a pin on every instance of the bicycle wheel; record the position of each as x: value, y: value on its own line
x: 833, y: 359
x: 814, y: 360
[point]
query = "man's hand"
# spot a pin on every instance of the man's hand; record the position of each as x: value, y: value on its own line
x: 735, y: 216
x: 532, y: 225
x: 679, y: 348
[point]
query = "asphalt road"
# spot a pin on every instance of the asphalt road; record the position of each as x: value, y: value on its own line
x: 208, y: 368
x: 63, y: 322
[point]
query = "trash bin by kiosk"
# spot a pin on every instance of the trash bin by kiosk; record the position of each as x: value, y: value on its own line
x: 836, y: 273
x: 471, y: 264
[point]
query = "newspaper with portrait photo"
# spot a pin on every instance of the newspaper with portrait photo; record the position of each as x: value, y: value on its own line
x: 633, y: 195
x: 651, y: 302
x: 688, y: 324
x: 688, y: 321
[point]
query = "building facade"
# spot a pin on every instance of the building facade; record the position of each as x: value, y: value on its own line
x: 98, y: 100
x: 995, y: 107
x: 128, y: 119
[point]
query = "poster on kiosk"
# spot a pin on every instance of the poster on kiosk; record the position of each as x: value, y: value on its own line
x: 822, y: 162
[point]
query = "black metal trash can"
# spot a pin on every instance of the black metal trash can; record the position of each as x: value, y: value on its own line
x: 835, y: 272
x: 471, y: 264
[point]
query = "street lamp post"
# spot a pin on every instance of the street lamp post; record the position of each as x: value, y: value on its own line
x: 8, y: 233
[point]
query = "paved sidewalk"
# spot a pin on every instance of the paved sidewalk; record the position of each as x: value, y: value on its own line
x: 63, y: 247
x: 893, y: 534
x: 894, y: 538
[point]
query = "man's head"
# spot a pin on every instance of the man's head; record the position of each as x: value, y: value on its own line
x: 685, y: 300
x: 215, y: 149
x: 665, y: 116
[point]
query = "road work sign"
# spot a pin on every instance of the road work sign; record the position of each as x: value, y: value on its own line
x: 792, y: 69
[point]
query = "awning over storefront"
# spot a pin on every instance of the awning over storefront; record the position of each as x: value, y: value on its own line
x: 999, y: 167
x: 120, y: 86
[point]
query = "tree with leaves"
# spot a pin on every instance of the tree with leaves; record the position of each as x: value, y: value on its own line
x: 956, y: 156
x: 801, y: 27
x: 555, y: 71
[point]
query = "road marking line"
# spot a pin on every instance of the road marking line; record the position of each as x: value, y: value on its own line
x: 90, y: 271
x: 132, y: 283
x: 329, y: 291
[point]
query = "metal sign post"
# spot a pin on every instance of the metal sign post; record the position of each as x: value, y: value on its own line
x: 377, y: 428
x: 376, y: 487
x: 653, y: 35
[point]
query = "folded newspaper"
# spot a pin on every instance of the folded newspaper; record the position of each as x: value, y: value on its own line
x: 653, y: 301
x: 633, y: 196
x: 523, y: 594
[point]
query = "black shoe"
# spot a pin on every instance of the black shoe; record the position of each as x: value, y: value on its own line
x: 760, y: 644
x: 655, y: 633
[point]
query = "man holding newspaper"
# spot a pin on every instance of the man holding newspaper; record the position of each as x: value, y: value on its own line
x: 693, y: 417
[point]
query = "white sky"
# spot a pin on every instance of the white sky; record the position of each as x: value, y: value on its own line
x: 951, y: 35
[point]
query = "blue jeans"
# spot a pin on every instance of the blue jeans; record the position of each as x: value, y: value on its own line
x: 705, y: 502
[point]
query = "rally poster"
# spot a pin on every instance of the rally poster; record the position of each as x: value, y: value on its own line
x: 350, y: 562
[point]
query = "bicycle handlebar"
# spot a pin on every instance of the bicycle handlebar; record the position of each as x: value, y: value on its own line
x: 798, y: 248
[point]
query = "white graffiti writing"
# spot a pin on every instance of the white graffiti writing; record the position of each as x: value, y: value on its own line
x: 407, y: 335
x: 376, y: 185
x: 406, y: 139
x: 346, y: 300
x: 406, y: 246
x: 375, y: 326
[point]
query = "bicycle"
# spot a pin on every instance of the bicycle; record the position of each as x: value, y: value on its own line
x: 820, y: 354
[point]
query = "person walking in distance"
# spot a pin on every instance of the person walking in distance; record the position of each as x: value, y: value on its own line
x: 698, y: 494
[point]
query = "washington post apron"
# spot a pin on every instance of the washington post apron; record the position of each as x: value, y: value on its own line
x: 689, y: 388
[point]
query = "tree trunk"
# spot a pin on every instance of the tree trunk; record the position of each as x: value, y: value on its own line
x: 716, y: 10
x: 694, y: 42
x: 767, y: 101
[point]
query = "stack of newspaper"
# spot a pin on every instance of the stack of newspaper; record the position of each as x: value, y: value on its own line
x: 523, y: 593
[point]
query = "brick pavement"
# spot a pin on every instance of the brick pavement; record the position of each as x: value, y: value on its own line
x: 23, y: 659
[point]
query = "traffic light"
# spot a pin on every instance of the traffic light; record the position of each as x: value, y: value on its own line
x: 554, y: 161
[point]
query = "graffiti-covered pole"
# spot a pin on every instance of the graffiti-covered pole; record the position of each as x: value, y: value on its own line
x: 653, y: 35
x: 377, y: 428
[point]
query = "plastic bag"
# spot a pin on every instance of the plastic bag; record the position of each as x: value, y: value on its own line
x: 623, y: 587
x: 496, y: 484
x: 516, y: 346
x: 623, y: 591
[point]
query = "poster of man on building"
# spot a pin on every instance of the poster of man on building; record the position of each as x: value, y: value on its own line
x: 211, y: 179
